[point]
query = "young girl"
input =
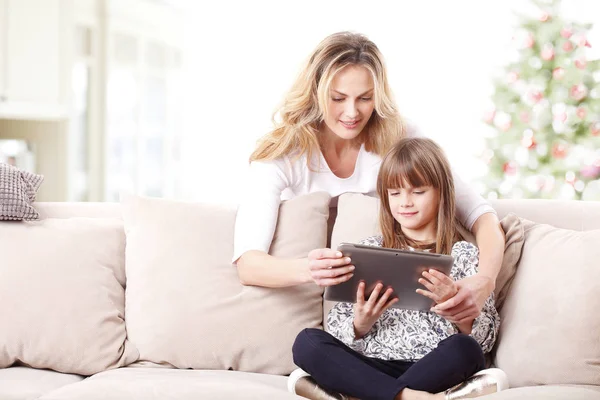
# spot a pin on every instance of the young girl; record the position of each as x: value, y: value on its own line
x: 377, y: 352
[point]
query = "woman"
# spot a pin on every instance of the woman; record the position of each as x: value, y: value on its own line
x: 337, y: 122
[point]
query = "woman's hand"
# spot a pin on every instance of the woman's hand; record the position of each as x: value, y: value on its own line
x: 466, y: 305
x: 440, y: 287
x: 366, y: 313
x: 329, y: 267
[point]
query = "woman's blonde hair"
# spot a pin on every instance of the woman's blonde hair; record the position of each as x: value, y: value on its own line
x: 305, y: 105
x: 417, y: 162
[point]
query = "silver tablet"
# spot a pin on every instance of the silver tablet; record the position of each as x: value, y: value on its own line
x: 400, y: 269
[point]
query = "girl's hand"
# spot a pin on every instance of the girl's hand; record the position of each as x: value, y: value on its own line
x: 366, y: 313
x: 440, y: 287
x: 329, y: 267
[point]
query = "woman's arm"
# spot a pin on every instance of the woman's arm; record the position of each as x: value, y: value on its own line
x: 257, y: 268
x: 474, y: 290
x: 254, y: 228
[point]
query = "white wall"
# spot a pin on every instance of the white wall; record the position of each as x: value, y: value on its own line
x: 244, y: 55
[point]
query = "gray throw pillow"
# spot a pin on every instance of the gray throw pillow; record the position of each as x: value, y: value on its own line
x: 18, y: 189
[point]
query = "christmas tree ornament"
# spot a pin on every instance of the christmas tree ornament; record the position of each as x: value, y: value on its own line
x: 544, y: 17
x: 542, y: 149
x: 547, y: 53
x: 580, y: 63
x: 590, y: 171
x: 581, y: 112
x: 566, y: 32
x: 509, y: 168
x: 570, y: 177
x: 522, y: 156
x: 512, y: 77
x: 535, y: 63
x: 535, y: 96
x: 583, y: 42
x: 595, y: 129
x: 528, y: 141
x: 488, y: 116
x: 558, y: 73
x: 578, y: 92
x: 503, y: 121
x: 567, y: 46
x: 559, y: 150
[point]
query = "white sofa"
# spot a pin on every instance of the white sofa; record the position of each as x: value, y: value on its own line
x: 138, y: 301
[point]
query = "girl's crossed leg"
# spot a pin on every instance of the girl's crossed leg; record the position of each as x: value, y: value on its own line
x: 336, y: 367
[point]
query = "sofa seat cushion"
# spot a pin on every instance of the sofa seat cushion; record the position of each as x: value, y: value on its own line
x: 24, y: 383
x: 164, y: 384
x: 550, y: 392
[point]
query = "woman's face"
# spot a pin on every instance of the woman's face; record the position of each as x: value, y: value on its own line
x: 350, y: 102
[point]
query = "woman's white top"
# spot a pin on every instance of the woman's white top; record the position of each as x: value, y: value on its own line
x: 270, y: 182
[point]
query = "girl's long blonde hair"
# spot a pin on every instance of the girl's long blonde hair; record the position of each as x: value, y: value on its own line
x: 417, y: 162
x: 305, y: 105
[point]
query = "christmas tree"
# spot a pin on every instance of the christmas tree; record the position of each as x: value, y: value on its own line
x: 545, y: 124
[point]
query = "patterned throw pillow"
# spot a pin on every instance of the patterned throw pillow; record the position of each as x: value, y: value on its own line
x: 17, y: 191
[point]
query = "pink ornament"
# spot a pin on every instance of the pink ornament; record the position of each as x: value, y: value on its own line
x: 578, y: 92
x: 566, y: 32
x: 581, y: 112
x: 590, y: 171
x: 529, y: 41
x: 505, y: 126
x: 580, y: 63
x: 558, y: 73
x: 547, y: 53
x: 509, y: 168
x: 559, y: 150
x: 595, y: 129
x: 529, y: 142
x: 561, y: 117
x: 524, y: 117
x: 512, y: 77
x: 583, y: 42
x: 536, y: 96
x: 544, y: 17
x: 488, y: 116
x: 567, y: 46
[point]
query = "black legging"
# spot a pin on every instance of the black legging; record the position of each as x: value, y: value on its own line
x: 337, y: 367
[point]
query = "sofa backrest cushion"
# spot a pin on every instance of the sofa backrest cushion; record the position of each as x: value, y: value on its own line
x: 550, y: 329
x: 185, y: 305
x: 62, y: 296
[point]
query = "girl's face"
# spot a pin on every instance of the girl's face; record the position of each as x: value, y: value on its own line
x: 350, y: 102
x: 416, y: 211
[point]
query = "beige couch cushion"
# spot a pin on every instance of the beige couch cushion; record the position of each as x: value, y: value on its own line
x: 358, y: 218
x: 550, y: 321
x: 185, y: 305
x: 24, y: 383
x: 170, y: 384
x: 61, y: 295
